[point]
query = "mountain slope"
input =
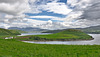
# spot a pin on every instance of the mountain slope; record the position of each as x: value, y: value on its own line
x: 8, y: 32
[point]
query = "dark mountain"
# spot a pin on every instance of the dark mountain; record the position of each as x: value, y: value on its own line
x: 92, y: 29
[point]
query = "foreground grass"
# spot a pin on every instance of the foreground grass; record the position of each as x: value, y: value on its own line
x: 65, y: 35
x: 13, y: 48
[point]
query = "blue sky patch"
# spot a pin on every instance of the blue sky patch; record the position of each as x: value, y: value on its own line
x: 45, y: 13
x: 63, y: 1
x: 41, y: 19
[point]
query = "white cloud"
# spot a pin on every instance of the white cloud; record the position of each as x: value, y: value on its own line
x: 79, y: 4
x: 73, y: 16
x: 42, y: 17
x: 21, y: 23
x: 16, y: 8
x: 35, y: 22
x: 9, y: 16
x: 59, y: 8
x: 12, y: 12
x: 86, y: 13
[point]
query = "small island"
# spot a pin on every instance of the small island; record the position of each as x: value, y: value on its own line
x: 66, y: 35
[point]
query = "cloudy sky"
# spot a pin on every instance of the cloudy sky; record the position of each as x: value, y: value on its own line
x: 49, y: 14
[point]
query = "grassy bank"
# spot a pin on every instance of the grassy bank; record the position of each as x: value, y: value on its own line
x: 13, y: 48
x: 66, y: 35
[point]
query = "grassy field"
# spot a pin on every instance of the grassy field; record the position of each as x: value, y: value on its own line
x: 70, y: 34
x: 13, y: 48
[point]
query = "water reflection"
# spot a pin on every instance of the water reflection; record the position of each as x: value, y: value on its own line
x: 25, y: 34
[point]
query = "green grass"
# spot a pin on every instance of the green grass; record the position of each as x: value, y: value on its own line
x: 70, y: 34
x: 13, y: 48
x: 4, y: 36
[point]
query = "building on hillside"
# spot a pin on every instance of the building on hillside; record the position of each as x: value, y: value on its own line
x: 9, y: 37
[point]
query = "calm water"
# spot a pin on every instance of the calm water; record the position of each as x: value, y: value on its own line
x: 25, y: 34
x: 88, y: 42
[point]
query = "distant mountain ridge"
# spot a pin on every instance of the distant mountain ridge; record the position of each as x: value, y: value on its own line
x: 28, y: 29
x: 92, y: 29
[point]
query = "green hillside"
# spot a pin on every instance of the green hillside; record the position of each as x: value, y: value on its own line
x: 66, y: 35
x: 13, y: 48
x: 18, y: 31
x: 8, y: 32
x: 52, y: 31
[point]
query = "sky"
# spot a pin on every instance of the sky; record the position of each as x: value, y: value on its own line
x: 49, y: 14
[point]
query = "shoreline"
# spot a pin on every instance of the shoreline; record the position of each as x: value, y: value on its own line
x: 58, y: 40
